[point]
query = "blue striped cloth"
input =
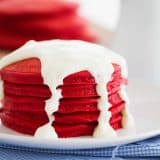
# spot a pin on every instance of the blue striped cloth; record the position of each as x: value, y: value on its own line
x: 143, y: 150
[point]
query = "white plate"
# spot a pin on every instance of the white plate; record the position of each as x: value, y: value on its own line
x: 145, y: 107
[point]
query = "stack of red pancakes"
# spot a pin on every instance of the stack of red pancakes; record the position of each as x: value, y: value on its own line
x: 23, y: 20
x: 25, y: 95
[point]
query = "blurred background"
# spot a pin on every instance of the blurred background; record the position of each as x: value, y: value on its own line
x: 138, y: 39
x: 135, y: 24
x: 129, y: 27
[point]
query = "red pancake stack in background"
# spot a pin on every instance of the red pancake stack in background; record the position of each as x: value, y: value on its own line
x: 23, y: 20
x: 25, y: 95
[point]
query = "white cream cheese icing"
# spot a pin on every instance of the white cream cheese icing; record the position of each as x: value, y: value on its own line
x: 60, y: 58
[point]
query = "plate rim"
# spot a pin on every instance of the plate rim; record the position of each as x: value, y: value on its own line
x: 73, y: 143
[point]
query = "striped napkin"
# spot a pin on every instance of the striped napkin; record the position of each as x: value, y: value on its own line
x: 147, y: 149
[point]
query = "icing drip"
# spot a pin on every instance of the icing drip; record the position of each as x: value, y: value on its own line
x: 127, y: 120
x: 60, y: 58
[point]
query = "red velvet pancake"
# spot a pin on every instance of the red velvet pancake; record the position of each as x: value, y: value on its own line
x: 49, y: 25
x: 28, y: 71
x: 36, y: 7
x: 18, y: 39
x: 26, y: 127
x: 82, y: 117
x: 27, y: 90
x: 62, y: 130
x: 31, y: 105
x: 71, y: 118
